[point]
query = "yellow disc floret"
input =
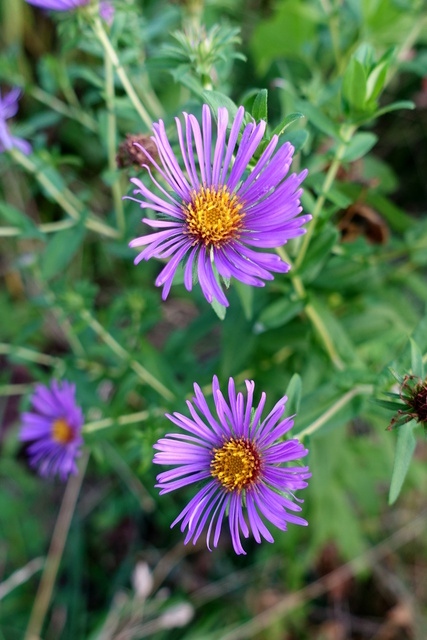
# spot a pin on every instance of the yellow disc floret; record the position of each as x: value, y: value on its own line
x: 213, y: 216
x: 62, y: 432
x: 236, y: 464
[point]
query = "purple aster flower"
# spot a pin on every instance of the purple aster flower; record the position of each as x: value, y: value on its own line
x: 106, y: 11
x: 58, y: 5
x: 54, y: 429
x: 215, y: 212
x: 9, y: 108
x: 239, y: 459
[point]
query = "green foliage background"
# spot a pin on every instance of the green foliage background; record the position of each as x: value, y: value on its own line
x: 74, y: 306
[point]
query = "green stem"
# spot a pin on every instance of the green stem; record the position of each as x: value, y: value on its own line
x: 140, y: 371
x: 312, y: 314
x: 49, y: 227
x: 363, y: 389
x: 329, y: 179
x: 29, y: 354
x: 64, y: 109
x: 65, y: 198
x: 140, y: 416
x: 59, y: 537
x: 127, y: 85
x: 111, y: 130
x: 15, y: 389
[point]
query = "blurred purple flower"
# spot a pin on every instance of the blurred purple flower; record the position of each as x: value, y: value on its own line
x: 9, y: 108
x: 216, y: 210
x: 106, y: 9
x: 58, y: 5
x: 54, y: 430
x: 239, y: 459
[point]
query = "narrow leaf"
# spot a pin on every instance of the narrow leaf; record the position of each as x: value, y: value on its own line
x: 359, y: 146
x: 61, y: 249
x: 417, y: 364
x: 286, y: 122
x: 259, y: 108
x: 278, y: 314
x: 405, y: 448
x: 293, y: 392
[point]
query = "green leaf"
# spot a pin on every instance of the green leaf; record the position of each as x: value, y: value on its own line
x: 259, y: 108
x: 376, y: 80
x: 417, y: 364
x: 219, y: 309
x: 387, y: 404
x: 394, y: 106
x: 246, y: 296
x: 286, y: 122
x: 354, y: 85
x: 287, y: 33
x: 216, y: 99
x: 278, y: 314
x: 18, y: 219
x: 61, y: 249
x: 319, y: 253
x: 405, y: 448
x: 297, y: 139
x: 293, y: 392
x: 318, y: 119
x: 359, y: 146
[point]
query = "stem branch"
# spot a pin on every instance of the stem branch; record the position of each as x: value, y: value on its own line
x: 140, y: 371
x: 363, y: 389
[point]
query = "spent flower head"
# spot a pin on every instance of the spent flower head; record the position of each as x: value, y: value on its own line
x: 54, y: 429
x: 9, y: 108
x: 240, y: 461
x: 413, y: 393
x: 216, y: 211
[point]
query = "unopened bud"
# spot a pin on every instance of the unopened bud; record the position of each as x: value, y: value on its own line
x: 130, y: 152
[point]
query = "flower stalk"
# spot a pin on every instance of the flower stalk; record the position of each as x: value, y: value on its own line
x: 100, y: 33
x: 56, y: 549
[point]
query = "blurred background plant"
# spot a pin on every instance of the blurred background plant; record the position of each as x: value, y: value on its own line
x: 339, y: 80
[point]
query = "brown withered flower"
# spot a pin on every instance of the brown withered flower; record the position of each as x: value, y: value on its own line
x: 361, y: 220
x: 130, y: 152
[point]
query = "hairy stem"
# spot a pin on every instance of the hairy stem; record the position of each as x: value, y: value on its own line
x: 64, y: 198
x: 127, y: 85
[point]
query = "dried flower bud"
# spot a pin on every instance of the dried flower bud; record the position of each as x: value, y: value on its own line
x: 177, y: 616
x: 130, y: 153
x: 142, y: 580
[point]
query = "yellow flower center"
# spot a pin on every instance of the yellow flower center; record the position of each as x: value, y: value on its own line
x: 236, y: 465
x: 62, y: 432
x: 213, y: 217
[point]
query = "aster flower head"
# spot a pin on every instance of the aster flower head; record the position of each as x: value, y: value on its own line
x: 240, y: 461
x: 9, y: 108
x: 58, y: 5
x: 54, y: 429
x: 214, y: 213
